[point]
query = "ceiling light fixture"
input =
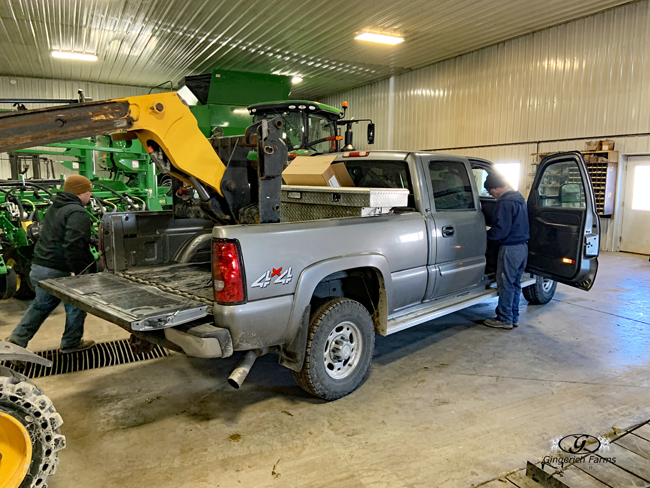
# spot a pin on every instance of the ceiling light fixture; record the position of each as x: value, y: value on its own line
x: 75, y: 56
x: 296, y: 79
x: 381, y: 38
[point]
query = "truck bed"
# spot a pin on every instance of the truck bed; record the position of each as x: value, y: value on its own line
x: 141, y: 299
x: 191, y: 279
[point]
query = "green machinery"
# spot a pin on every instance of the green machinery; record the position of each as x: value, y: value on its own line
x: 128, y: 183
x: 227, y: 102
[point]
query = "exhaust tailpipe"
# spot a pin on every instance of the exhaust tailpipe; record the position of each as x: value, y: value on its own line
x: 239, y: 374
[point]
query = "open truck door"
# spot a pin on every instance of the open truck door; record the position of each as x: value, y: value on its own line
x: 564, y: 225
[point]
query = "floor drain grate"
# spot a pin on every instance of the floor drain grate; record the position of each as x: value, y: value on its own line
x: 100, y: 355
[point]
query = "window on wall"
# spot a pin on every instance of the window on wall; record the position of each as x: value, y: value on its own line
x: 452, y: 189
x: 511, y: 172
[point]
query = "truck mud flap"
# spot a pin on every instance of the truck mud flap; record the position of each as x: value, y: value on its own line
x: 132, y: 306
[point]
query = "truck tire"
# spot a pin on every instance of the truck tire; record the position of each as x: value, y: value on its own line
x: 22, y: 267
x: 340, y: 345
x: 32, y: 457
x: 541, y: 292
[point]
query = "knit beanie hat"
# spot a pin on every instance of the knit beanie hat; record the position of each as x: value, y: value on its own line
x: 494, y: 180
x: 77, y: 184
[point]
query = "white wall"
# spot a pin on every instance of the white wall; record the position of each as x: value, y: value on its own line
x: 17, y: 87
x: 586, y: 79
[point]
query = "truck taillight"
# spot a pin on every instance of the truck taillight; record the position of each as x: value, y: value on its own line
x: 227, y: 272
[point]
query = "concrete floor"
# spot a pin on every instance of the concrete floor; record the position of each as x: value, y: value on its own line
x: 449, y: 403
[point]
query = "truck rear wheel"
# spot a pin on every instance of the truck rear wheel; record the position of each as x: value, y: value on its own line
x: 339, y: 349
x: 541, y: 292
x: 29, y: 432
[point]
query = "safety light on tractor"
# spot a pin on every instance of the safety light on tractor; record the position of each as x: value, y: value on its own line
x: 227, y: 272
x: 568, y: 261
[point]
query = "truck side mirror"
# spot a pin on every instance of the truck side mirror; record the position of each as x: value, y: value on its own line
x: 371, y: 133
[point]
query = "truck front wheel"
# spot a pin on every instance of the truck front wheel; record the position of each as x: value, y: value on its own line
x: 339, y: 349
x: 541, y: 292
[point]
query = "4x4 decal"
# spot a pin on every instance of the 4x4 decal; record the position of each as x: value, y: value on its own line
x: 283, y: 278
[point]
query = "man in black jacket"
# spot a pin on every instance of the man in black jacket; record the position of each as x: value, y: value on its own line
x: 63, y: 248
x: 510, y: 231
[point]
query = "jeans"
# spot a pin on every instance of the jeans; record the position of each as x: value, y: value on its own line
x: 40, y: 309
x: 510, y: 268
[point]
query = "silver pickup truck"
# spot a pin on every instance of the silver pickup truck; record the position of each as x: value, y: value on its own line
x: 316, y: 292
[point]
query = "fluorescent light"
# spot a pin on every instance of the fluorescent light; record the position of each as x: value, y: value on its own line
x: 76, y: 56
x: 383, y: 39
x: 296, y: 79
x: 186, y: 94
x: 241, y: 111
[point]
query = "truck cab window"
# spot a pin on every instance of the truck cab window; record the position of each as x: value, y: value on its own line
x: 381, y: 174
x: 480, y: 175
x: 452, y: 189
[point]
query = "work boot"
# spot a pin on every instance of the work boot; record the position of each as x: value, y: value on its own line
x: 82, y: 346
x: 497, y: 324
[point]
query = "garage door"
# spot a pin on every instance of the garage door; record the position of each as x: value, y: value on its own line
x: 635, y: 234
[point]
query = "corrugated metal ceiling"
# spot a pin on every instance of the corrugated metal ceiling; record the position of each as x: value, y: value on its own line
x: 147, y: 42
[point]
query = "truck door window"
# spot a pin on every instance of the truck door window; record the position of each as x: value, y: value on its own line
x: 480, y: 176
x: 452, y: 189
x: 561, y: 186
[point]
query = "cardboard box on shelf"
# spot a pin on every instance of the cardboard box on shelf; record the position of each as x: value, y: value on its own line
x: 317, y: 171
x: 607, y: 145
x: 593, y: 146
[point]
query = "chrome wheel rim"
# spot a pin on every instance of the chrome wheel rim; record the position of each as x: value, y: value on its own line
x: 547, y: 285
x: 342, y: 350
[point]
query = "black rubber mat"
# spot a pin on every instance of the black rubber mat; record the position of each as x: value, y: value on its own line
x: 99, y: 356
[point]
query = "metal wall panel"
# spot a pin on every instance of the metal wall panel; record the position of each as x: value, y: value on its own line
x: 589, y: 77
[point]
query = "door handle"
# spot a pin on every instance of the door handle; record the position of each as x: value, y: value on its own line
x: 448, y: 231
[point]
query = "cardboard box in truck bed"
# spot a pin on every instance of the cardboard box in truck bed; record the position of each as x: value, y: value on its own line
x: 316, y: 171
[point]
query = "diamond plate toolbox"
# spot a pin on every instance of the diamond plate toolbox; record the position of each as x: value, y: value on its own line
x: 301, y: 203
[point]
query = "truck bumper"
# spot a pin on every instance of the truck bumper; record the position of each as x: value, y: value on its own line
x: 257, y: 324
x: 201, y: 341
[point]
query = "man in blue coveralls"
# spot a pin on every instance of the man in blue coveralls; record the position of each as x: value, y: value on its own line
x: 510, y: 231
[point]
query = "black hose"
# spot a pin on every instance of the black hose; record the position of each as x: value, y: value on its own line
x: 113, y: 191
x: 21, y: 209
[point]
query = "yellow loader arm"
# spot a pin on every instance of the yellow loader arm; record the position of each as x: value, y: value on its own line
x: 231, y: 193
x: 162, y: 118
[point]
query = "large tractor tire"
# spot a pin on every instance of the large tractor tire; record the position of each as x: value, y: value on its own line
x: 29, y: 433
x: 8, y: 284
x: 340, y: 345
x: 22, y: 267
x: 541, y: 292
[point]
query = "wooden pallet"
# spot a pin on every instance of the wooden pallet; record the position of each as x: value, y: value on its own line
x: 630, y: 448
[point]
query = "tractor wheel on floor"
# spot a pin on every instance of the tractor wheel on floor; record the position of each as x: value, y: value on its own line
x: 340, y: 345
x: 541, y: 292
x: 29, y: 433
x: 8, y: 284
x: 22, y: 267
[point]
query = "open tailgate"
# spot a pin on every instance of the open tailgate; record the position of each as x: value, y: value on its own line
x: 132, y: 306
